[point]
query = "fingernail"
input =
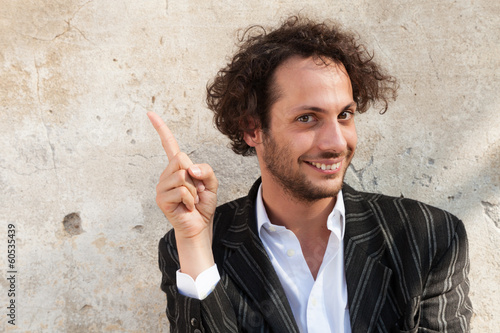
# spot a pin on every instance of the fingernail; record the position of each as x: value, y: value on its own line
x: 196, y: 171
x: 200, y: 187
x: 196, y: 200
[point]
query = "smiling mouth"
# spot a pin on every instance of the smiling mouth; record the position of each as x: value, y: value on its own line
x: 323, y: 166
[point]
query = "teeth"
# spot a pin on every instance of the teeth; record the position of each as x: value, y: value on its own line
x: 326, y: 166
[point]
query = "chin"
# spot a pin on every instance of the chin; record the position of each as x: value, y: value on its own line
x: 308, y: 191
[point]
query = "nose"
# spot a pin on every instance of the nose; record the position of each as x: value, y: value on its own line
x: 331, y: 136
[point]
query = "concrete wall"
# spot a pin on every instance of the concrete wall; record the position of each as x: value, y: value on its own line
x: 79, y: 160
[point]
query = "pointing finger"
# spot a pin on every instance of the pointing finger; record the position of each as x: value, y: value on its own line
x: 167, y: 138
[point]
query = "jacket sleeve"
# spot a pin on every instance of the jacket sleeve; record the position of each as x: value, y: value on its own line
x: 212, y: 314
x: 445, y: 305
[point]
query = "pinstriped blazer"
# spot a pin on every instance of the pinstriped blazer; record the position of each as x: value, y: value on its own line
x: 406, y: 267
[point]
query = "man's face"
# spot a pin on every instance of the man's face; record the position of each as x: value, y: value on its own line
x: 311, y: 137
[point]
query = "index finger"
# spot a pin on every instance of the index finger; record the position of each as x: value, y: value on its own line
x: 167, y: 138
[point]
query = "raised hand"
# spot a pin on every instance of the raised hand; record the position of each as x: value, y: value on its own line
x: 187, y: 195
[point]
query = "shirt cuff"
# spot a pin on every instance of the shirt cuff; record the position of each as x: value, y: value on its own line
x: 205, y: 283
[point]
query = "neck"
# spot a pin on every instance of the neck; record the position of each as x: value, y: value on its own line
x: 304, y: 218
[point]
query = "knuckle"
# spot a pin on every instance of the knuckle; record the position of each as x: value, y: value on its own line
x: 183, y: 191
x: 166, y: 173
x: 184, y: 160
x: 181, y: 156
x: 181, y: 176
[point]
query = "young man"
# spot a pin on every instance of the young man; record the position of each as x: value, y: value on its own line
x: 303, y: 252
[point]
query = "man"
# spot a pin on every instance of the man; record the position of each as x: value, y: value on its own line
x: 303, y: 252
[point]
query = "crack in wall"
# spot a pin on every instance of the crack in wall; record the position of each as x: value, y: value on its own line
x: 68, y: 28
x: 37, y: 80
x: 83, y: 35
x: 435, y: 68
x: 359, y: 173
x: 47, y: 128
x: 37, y: 169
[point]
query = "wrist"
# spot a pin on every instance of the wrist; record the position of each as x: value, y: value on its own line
x: 195, y: 253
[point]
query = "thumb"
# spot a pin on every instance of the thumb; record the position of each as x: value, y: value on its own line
x: 204, y: 173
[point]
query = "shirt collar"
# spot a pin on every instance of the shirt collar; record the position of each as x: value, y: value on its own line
x: 335, y: 221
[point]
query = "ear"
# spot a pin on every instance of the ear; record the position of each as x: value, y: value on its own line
x: 253, y: 135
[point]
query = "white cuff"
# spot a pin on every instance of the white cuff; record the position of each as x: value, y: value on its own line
x: 205, y: 283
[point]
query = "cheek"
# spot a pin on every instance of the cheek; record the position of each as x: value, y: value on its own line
x: 302, y: 142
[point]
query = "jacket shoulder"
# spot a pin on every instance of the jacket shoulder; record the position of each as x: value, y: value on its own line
x: 403, y: 222
x: 398, y: 208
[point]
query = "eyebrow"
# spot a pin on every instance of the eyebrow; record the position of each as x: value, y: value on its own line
x: 321, y: 110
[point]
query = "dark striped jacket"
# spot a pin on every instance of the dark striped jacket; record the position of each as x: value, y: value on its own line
x: 406, y: 269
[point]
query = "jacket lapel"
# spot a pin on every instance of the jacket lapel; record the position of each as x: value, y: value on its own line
x: 367, y: 278
x: 250, y: 268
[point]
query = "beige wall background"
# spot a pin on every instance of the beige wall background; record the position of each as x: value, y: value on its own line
x: 79, y: 160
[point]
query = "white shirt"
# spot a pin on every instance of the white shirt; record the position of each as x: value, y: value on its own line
x: 318, y: 305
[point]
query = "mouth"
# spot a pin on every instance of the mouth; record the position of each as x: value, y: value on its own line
x: 325, y: 166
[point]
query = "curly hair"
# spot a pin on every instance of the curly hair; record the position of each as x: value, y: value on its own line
x: 242, y: 93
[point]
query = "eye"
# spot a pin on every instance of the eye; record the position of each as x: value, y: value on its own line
x: 346, y: 115
x: 307, y: 118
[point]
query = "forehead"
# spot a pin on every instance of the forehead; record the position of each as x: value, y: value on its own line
x: 311, y: 66
x: 311, y: 79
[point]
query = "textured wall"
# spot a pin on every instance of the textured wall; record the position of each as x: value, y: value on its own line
x: 79, y: 160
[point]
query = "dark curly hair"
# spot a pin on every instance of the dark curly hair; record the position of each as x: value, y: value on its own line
x: 242, y: 93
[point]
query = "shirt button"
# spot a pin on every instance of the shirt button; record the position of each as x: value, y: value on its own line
x: 313, y: 301
x: 272, y: 228
x: 194, y: 322
x: 196, y: 331
x: 290, y: 252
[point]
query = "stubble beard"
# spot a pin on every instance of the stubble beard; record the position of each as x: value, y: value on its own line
x: 294, y: 183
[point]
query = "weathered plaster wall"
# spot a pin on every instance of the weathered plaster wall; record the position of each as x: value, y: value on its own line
x: 77, y: 78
